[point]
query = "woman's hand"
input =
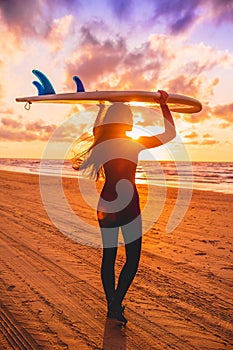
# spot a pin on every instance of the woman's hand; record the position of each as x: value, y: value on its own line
x: 169, y: 125
x: 163, y: 97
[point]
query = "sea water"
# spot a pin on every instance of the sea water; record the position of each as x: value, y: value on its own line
x: 212, y: 176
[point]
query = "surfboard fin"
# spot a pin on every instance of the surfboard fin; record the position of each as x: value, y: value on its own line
x: 44, y: 87
x: 39, y: 87
x: 79, y: 84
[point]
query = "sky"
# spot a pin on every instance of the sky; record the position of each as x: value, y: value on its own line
x: 183, y: 47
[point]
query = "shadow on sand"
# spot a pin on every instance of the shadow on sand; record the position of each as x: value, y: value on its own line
x: 114, y: 336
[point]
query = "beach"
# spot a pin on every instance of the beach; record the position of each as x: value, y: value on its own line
x: 51, y: 292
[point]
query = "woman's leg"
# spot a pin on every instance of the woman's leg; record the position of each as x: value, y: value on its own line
x: 133, y: 242
x: 110, y: 243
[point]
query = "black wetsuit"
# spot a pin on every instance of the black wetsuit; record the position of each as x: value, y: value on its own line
x: 128, y: 218
x: 115, y: 171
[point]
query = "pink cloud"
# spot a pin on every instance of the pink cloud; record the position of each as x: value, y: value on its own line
x: 206, y: 113
x: 38, y: 126
x: 15, y: 130
x: 185, y: 84
x: 224, y: 112
x: 26, y: 18
x: 222, y: 11
x: 12, y: 123
x: 34, y: 18
x: 108, y: 64
x: 15, y: 135
x: 68, y: 132
x: 96, y: 58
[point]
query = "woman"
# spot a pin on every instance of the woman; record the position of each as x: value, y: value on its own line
x: 115, y: 155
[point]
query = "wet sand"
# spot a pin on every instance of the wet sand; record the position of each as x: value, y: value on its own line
x: 51, y: 292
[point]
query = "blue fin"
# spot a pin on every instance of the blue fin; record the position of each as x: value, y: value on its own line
x: 44, y: 87
x: 79, y: 84
x: 39, y: 87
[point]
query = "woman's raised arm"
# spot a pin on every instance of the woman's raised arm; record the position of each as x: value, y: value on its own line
x: 169, y: 126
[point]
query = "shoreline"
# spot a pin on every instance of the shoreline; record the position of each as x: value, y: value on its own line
x: 204, y: 176
x: 51, y: 292
x: 27, y: 171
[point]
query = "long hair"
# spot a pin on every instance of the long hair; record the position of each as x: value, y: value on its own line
x: 107, y: 125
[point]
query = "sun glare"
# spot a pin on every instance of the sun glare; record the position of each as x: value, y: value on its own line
x: 141, y: 104
x: 137, y: 132
x: 134, y: 135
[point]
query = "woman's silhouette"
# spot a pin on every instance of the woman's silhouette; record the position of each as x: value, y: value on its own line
x: 115, y: 155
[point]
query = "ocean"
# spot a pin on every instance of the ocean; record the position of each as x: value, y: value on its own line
x: 208, y: 176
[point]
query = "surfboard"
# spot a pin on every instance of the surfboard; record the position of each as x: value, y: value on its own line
x: 177, y: 103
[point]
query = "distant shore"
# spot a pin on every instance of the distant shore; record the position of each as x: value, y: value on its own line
x: 51, y: 292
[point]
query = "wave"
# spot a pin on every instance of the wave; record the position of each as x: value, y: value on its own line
x: 198, y: 175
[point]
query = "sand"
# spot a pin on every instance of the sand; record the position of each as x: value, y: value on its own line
x: 51, y: 292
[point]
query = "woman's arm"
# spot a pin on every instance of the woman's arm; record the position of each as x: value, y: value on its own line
x: 169, y: 125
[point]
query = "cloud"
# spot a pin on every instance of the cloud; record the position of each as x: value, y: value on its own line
x: 222, y: 10
x: 38, y: 126
x: 34, y: 18
x: 178, y: 14
x: 164, y: 62
x: 6, y: 111
x: 209, y: 142
x: 206, y: 113
x: 96, y: 58
x: 225, y: 125
x: 15, y: 135
x: 109, y: 64
x: 197, y: 139
x: 67, y: 132
x: 25, y: 17
x: 11, y: 123
x: 192, y: 135
x: 12, y: 129
x: 185, y: 85
x: 207, y: 135
x: 224, y: 112
x: 202, y: 142
x: 60, y: 30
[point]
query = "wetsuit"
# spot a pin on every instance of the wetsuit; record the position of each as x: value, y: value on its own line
x: 128, y: 218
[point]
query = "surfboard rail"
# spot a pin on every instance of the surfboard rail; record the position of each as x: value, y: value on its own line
x: 177, y: 103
